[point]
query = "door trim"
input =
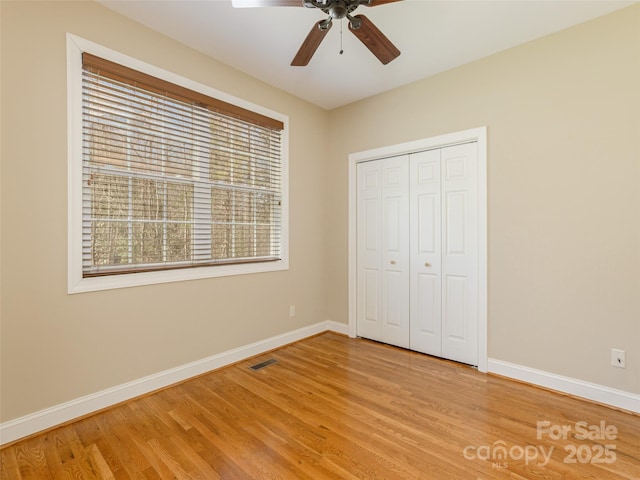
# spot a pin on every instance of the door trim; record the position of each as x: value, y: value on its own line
x: 478, y: 135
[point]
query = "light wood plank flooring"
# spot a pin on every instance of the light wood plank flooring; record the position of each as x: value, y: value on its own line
x: 339, y: 408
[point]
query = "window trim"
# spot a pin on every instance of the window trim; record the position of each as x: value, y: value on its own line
x: 76, y: 46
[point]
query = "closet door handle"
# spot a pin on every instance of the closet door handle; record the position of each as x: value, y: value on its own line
x: 392, y: 262
x: 427, y: 264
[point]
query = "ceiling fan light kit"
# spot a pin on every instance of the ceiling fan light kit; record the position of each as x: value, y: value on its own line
x: 364, y: 30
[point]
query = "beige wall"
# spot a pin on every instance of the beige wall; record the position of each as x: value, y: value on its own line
x: 563, y: 118
x: 564, y: 209
x: 57, y: 347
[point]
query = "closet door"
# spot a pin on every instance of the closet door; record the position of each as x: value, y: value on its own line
x: 444, y: 252
x: 459, y: 174
x: 395, y: 251
x: 383, y: 251
x: 369, y: 250
x: 417, y: 244
x: 425, y: 241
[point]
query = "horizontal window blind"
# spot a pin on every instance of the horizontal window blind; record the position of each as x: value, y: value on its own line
x: 172, y: 178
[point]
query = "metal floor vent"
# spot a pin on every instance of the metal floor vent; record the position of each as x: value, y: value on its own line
x: 266, y: 363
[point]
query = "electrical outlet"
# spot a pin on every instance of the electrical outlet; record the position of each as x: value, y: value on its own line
x: 618, y: 358
x: 292, y: 311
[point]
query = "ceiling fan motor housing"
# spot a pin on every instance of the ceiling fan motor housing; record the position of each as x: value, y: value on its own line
x: 336, y: 9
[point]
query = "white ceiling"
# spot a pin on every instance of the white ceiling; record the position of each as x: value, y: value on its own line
x: 433, y: 36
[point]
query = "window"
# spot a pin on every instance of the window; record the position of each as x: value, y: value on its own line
x: 172, y: 178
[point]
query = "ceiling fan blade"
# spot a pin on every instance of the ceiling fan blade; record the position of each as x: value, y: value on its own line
x: 310, y: 45
x: 266, y: 3
x: 375, y: 40
x: 375, y: 3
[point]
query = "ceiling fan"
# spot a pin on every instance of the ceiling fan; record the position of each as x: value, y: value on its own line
x: 359, y: 25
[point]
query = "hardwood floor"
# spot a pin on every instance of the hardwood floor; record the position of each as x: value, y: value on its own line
x: 339, y: 408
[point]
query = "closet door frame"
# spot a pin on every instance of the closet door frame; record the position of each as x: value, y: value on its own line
x: 478, y: 135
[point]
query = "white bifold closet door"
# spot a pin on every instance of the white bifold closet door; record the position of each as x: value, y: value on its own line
x: 383, y: 251
x: 444, y: 253
x: 417, y: 260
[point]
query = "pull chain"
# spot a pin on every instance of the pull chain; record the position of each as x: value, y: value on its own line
x: 341, y: 23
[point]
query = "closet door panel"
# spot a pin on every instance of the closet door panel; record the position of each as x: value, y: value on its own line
x: 456, y: 326
x: 393, y: 281
x: 369, y: 250
x: 427, y: 317
x: 425, y: 242
x: 460, y: 253
x: 395, y: 251
x: 371, y: 298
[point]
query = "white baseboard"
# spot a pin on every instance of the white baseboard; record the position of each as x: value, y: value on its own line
x: 59, y: 414
x: 336, y: 327
x: 572, y: 386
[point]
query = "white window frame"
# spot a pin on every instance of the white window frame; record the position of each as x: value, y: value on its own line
x: 76, y: 283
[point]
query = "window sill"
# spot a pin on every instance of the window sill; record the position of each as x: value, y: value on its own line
x: 82, y: 285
